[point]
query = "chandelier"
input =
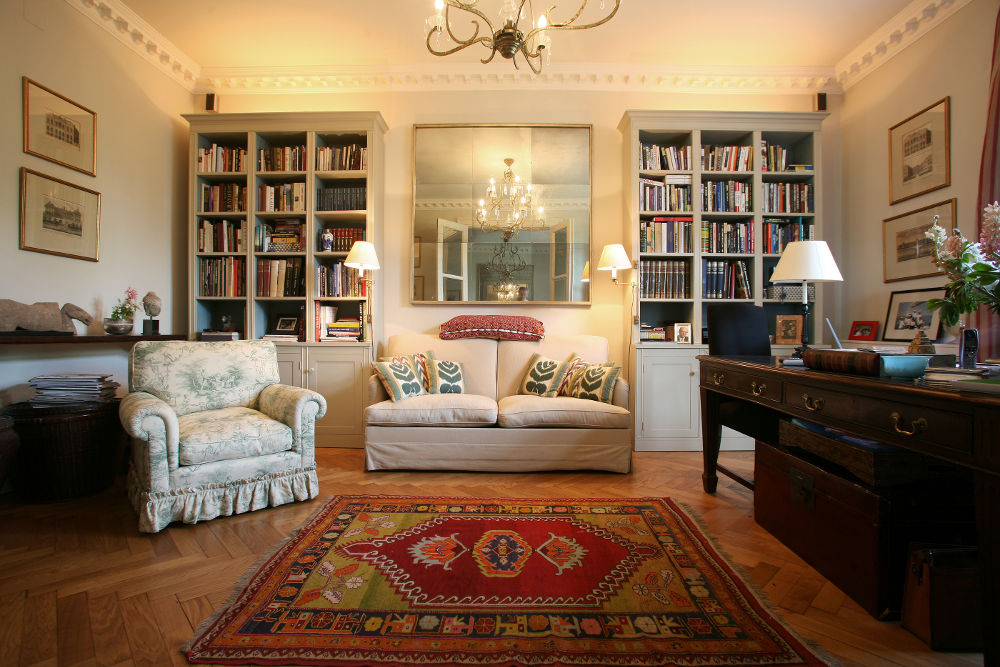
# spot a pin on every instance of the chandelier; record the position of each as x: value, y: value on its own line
x: 532, y: 40
x: 507, y: 207
x: 505, y: 267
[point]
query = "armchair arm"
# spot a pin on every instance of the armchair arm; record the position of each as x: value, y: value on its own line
x: 620, y: 395
x: 376, y: 390
x: 148, y: 419
x: 298, y: 408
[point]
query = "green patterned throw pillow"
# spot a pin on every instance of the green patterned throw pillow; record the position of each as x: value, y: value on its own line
x: 595, y: 382
x: 576, y: 362
x: 399, y: 378
x: 544, y: 376
x: 446, y: 377
x: 419, y: 361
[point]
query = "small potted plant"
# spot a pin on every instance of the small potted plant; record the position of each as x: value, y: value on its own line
x: 120, y: 321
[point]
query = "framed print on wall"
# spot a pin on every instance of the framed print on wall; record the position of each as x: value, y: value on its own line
x: 908, y: 313
x: 58, y: 129
x: 863, y: 330
x: 906, y: 251
x: 59, y: 218
x: 919, y: 153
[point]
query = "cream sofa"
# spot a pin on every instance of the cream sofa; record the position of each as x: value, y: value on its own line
x: 490, y: 427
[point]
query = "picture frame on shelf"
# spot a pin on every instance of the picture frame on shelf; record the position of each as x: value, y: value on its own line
x: 682, y: 333
x: 863, y: 330
x: 58, y: 129
x: 919, y: 152
x: 906, y: 251
x: 286, y: 324
x: 908, y: 313
x: 788, y: 330
x: 58, y: 217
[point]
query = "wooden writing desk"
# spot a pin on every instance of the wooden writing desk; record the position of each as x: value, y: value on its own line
x: 961, y: 428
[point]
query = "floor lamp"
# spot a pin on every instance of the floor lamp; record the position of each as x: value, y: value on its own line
x: 806, y: 262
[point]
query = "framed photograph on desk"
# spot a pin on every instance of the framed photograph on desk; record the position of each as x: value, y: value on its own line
x: 908, y: 313
x: 863, y: 330
x: 788, y: 330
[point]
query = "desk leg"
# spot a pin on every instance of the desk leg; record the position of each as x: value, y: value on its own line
x: 711, y: 434
x: 988, y: 545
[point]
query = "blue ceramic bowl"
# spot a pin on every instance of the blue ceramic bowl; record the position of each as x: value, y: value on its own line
x: 904, y: 365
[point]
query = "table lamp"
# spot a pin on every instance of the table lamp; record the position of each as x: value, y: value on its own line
x: 806, y: 261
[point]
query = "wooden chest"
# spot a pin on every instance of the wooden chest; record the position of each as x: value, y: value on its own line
x: 855, y: 536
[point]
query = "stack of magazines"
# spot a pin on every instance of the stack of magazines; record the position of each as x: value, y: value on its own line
x: 59, y: 389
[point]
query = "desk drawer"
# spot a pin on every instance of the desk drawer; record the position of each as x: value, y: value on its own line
x: 887, y: 421
x: 754, y: 387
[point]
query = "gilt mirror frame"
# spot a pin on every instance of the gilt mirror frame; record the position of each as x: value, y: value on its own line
x: 452, y: 164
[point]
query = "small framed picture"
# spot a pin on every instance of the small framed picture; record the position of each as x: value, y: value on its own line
x: 908, y: 313
x: 682, y: 332
x: 907, y: 252
x: 862, y: 330
x: 58, y: 129
x: 919, y: 153
x: 788, y: 330
x: 59, y: 218
x: 286, y: 324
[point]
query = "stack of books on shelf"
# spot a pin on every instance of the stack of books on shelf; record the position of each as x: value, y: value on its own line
x: 282, y: 158
x: 344, y: 329
x: 280, y: 236
x: 62, y: 388
x: 288, y: 338
x: 341, y: 158
x: 656, y: 157
x: 212, y: 335
x: 342, y: 198
x: 726, y: 158
x: 217, y: 158
x: 778, y: 232
x: 220, y: 236
x: 666, y: 234
x: 281, y: 277
x: 727, y: 237
x: 223, y: 197
x: 663, y: 279
x: 662, y: 333
x: 281, y: 197
x: 725, y: 279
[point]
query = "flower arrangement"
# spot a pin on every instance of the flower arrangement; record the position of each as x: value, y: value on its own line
x: 973, y: 269
x: 125, y: 308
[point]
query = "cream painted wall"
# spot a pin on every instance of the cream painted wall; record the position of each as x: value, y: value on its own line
x: 952, y: 60
x: 141, y: 175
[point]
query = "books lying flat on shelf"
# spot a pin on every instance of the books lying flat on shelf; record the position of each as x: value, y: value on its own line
x: 58, y: 389
x: 285, y: 337
x: 983, y: 385
x: 218, y: 335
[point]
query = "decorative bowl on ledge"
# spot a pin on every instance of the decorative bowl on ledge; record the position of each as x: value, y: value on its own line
x: 117, y: 327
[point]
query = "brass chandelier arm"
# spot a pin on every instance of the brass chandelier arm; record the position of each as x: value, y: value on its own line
x: 569, y: 23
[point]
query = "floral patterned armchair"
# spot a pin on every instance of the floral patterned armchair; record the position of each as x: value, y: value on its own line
x: 214, y: 433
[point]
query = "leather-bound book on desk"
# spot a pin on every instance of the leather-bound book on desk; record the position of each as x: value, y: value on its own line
x: 842, y: 361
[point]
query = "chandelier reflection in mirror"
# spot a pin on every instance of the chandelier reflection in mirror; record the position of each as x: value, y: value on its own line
x: 506, y: 269
x: 518, y: 31
x: 508, y: 208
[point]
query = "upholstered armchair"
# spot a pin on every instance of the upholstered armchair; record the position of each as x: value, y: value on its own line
x: 214, y: 433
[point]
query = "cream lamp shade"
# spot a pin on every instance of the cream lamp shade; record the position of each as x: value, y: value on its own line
x: 614, y: 259
x: 806, y: 261
x: 362, y: 257
x: 585, y: 276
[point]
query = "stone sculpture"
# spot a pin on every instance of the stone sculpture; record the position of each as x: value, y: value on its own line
x: 152, y: 304
x: 41, y: 316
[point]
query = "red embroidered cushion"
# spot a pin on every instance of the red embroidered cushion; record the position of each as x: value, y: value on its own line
x: 505, y: 327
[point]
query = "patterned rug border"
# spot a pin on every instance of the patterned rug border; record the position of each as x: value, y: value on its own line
x: 738, y: 576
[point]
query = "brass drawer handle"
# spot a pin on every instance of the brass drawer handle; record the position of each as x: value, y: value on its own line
x: 813, y: 404
x: 757, y: 388
x: 719, y: 379
x: 916, y: 426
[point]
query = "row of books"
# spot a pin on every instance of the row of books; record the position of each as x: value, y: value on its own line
x: 335, y: 279
x: 657, y: 156
x: 216, y: 158
x: 726, y: 158
x: 279, y: 236
x: 281, y: 277
x: 342, y: 198
x: 725, y: 279
x: 727, y: 236
x: 282, y: 197
x: 341, y: 158
x: 726, y: 196
x: 671, y: 194
x: 343, y: 238
x: 282, y: 158
x: 788, y: 197
x: 664, y: 279
x: 666, y: 234
x: 219, y: 197
x: 221, y: 236
x: 779, y: 232
x: 221, y: 276
x: 776, y: 158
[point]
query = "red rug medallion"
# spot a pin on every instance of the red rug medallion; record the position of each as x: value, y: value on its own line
x: 378, y: 580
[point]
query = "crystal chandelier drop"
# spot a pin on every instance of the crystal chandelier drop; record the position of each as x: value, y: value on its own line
x: 519, y: 31
x: 508, y: 207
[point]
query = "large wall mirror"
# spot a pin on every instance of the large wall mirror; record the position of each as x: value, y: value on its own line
x: 522, y: 236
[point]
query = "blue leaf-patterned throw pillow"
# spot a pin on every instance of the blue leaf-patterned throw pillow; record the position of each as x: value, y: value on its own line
x: 544, y: 376
x: 419, y: 362
x: 446, y: 377
x: 595, y: 382
x: 399, y: 378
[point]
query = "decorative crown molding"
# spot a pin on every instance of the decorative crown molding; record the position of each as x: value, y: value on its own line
x: 899, y: 32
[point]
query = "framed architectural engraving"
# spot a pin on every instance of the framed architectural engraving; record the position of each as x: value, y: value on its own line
x: 59, y: 218
x: 906, y: 252
x: 919, y: 153
x: 58, y: 129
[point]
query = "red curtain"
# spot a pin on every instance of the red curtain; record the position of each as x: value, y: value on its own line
x: 989, y: 192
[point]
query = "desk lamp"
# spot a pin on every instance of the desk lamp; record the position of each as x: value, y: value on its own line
x: 363, y: 258
x: 806, y: 261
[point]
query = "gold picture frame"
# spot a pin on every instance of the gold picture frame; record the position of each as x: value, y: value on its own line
x: 906, y: 252
x: 58, y: 217
x: 788, y: 330
x: 58, y: 129
x: 919, y: 152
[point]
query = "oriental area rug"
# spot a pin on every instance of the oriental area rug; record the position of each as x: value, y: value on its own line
x: 391, y: 580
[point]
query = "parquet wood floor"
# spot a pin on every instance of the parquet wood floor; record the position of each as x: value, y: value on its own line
x: 80, y: 586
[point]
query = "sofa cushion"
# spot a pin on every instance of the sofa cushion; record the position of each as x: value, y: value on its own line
x: 445, y: 377
x: 228, y: 434
x: 399, y: 378
x: 501, y: 327
x: 595, y: 382
x: 434, y: 410
x: 513, y: 356
x: 576, y: 363
x: 419, y: 361
x: 544, y: 376
x: 523, y: 411
x: 477, y: 356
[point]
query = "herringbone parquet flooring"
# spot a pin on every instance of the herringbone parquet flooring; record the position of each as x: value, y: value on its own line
x: 80, y: 586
